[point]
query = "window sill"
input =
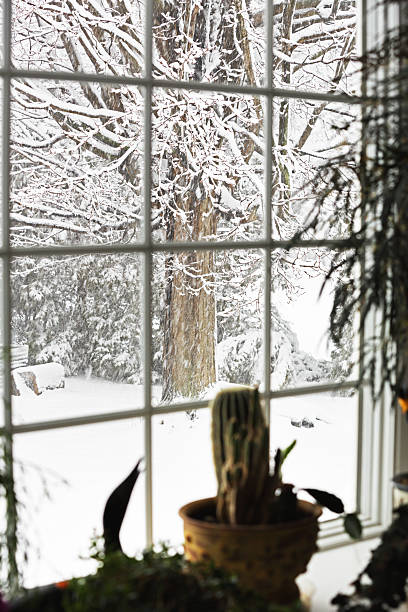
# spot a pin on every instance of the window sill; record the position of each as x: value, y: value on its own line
x: 331, y: 571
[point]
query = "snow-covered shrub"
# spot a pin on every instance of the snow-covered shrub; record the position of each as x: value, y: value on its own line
x: 303, y: 369
x: 83, y: 312
x: 238, y: 358
x: 290, y: 365
x: 58, y: 350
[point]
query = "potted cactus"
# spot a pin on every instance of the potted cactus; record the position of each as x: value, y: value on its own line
x: 255, y: 527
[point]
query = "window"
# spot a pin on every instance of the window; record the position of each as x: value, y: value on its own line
x: 154, y: 162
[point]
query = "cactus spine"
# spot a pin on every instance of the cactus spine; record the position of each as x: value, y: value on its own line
x: 240, y: 440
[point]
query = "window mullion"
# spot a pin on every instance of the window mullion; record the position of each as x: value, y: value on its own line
x: 361, y: 485
x: 11, y: 505
x: 199, y: 245
x: 147, y: 271
x: 227, y: 88
x: 268, y: 127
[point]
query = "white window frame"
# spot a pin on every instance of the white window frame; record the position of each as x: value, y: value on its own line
x: 376, y: 421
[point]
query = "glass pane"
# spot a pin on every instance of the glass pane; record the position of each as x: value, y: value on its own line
x: 302, y: 353
x: 207, y: 166
x: 207, y: 322
x: 101, y: 38
x: 64, y: 478
x: 314, y: 45
x: 210, y: 42
x: 183, y: 469
x: 80, y: 321
x: 311, y: 178
x: 77, y: 180
x: 325, y: 427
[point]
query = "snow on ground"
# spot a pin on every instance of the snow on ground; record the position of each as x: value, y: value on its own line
x: 86, y: 396
x: 80, y: 397
x: 325, y: 456
x: 95, y: 458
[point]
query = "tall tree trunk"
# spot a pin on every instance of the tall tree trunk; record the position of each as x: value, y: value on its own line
x: 189, y: 317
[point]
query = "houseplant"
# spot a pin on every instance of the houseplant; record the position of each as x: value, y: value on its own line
x: 255, y: 527
x: 159, y: 580
x: 381, y: 585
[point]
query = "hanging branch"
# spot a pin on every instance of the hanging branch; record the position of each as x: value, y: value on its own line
x: 368, y: 190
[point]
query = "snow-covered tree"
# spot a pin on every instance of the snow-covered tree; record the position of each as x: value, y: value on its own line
x: 77, y: 153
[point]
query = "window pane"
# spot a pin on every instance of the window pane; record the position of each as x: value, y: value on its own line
x: 76, y: 179
x: 314, y: 45
x: 314, y: 173
x: 102, y: 38
x: 182, y: 469
x: 207, y: 322
x: 325, y: 427
x: 80, y: 321
x: 210, y: 42
x: 80, y: 468
x: 302, y: 353
x: 207, y: 166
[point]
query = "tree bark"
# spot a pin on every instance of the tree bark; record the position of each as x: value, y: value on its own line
x: 189, y: 316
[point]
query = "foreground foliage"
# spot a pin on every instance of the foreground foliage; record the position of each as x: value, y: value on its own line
x: 381, y: 586
x: 367, y: 185
x: 161, y: 581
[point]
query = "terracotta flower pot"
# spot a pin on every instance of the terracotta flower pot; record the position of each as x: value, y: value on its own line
x: 266, y: 558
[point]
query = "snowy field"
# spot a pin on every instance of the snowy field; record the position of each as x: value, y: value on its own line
x: 93, y: 459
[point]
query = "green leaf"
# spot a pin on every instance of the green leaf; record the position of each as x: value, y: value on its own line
x: 287, y: 450
x: 278, y: 461
x: 328, y: 500
x: 352, y: 526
